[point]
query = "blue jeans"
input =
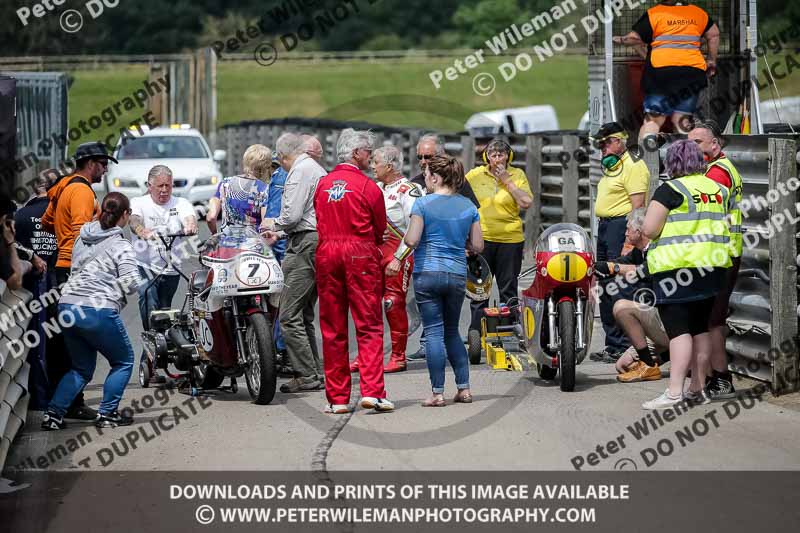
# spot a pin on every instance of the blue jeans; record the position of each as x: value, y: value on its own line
x: 440, y: 296
x: 667, y: 104
x: 94, y: 330
x: 155, y: 294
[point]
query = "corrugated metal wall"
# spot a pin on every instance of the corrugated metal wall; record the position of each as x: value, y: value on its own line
x: 41, y: 113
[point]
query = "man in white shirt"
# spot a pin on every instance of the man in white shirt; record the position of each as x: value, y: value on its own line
x: 154, y: 214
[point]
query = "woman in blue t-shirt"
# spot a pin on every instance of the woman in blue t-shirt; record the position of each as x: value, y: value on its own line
x: 443, y: 224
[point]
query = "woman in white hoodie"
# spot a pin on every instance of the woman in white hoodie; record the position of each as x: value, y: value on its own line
x: 103, y: 274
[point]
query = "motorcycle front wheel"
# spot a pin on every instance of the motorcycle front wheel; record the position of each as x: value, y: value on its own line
x: 566, y: 358
x: 261, y: 374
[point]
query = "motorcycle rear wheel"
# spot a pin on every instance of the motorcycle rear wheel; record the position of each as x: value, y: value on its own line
x: 261, y: 373
x: 567, y: 356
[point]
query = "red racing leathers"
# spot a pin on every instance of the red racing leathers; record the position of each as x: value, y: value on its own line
x: 398, y: 197
x: 351, y: 219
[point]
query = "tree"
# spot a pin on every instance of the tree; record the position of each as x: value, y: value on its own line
x: 487, y: 18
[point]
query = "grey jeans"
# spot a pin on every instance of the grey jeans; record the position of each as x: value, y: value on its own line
x: 297, y: 303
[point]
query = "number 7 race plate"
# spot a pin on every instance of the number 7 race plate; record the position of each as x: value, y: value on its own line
x: 253, y: 270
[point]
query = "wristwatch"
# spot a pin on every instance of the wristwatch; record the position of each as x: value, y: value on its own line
x: 614, y: 268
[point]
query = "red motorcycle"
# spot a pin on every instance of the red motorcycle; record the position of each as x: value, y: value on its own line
x: 556, y: 311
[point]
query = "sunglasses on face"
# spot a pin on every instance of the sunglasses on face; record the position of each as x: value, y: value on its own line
x: 422, y: 157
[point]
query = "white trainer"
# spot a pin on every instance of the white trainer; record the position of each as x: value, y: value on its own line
x: 379, y: 404
x: 665, y: 401
x: 337, y: 409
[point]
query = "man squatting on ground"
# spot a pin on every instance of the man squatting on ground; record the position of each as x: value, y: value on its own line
x: 399, y: 195
x: 298, y: 222
x: 639, y: 320
x: 158, y: 213
x: 352, y: 221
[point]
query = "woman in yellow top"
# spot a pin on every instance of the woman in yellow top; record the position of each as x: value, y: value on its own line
x: 502, y: 191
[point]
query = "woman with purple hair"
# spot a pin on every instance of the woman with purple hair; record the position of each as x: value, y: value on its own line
x: 687, y: 259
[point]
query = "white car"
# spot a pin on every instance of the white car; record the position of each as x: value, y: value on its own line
x: 195, y: 171
x: 520, y: 120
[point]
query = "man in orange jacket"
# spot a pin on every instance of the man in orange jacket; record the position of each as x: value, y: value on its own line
x: 72, y: 204
x: 675, y: 70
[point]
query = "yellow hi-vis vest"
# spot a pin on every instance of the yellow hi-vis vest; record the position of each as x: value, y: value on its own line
x: 695, y: 234
x: 734, y: 204
x: 677, y: 34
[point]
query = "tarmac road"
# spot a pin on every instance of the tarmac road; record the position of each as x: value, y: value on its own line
x: 517, y: 422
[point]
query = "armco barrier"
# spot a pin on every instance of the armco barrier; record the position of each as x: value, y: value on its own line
x: 14, y: 371
x: 763, y: 318
x: 556, y: 163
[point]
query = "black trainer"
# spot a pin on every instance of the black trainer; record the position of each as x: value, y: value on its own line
x: 82, y: 412
x: 113, y: 420
x: 53, y: 422
x: 720, y: 389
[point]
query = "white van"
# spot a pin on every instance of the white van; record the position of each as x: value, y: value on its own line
x: 513, y: 120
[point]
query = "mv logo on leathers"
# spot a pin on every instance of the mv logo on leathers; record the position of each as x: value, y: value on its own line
x: 337, y: 191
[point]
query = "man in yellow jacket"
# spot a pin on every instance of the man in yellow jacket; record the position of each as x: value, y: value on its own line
x: 675, y: 69
x: 502, y: 191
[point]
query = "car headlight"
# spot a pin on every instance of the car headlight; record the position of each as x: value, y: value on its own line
x: 123, y: 183
x: 208, y: 180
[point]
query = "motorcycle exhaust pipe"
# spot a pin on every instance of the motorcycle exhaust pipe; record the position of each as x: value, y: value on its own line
x: 181, y: 343
x: 579, y: 321
x: 551, y: 323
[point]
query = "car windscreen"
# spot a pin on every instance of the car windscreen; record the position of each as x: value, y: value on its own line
x: 166, y: 147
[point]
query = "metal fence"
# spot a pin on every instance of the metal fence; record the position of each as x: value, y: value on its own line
x: 14, y: 370
x: 192, y: 94
x: 41, y: 109
x: 764, y: 303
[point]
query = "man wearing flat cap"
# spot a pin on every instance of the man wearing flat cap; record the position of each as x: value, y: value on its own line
x: 622, y: 189
x: 73, y: 204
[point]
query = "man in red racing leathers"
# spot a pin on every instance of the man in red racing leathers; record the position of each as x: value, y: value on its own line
x: 399, y: 195
x: 351, y: 219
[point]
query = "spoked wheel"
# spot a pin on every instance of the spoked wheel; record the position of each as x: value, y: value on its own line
x: 474, y: 346
x: 144, y: 371
x: 261, y: 374
x: 566, y: 358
